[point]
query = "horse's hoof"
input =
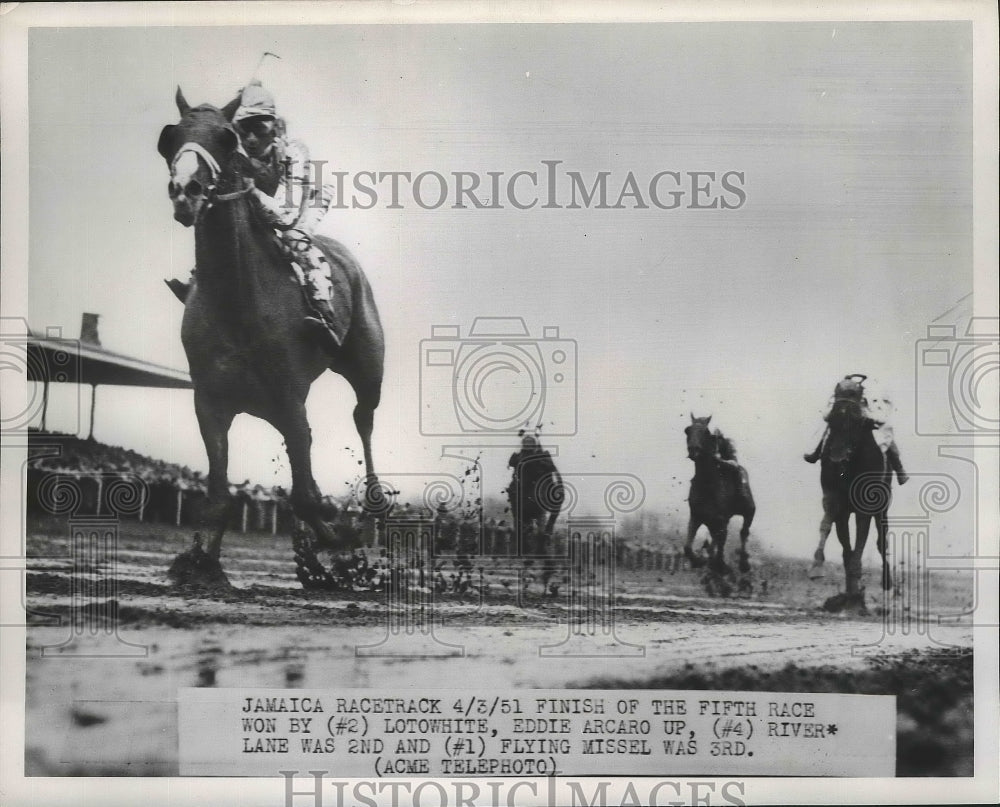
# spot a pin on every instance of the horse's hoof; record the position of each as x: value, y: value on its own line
x: 886, y: 580
x: 817, y: 572
x: 196, y: 568
x: 846, y: 602
x: 696, y: 561
x: 744, y: 563
x: 308, y: 569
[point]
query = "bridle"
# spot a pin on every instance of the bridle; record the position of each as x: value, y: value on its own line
x: 211, y: 196
x: 706, y: 444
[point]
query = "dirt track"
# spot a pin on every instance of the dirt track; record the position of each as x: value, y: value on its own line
x: 111, y: 711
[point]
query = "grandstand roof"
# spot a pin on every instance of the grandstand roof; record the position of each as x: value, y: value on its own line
x: 79, y: 362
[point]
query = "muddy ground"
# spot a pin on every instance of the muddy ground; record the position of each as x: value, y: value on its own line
x: 104, y: 661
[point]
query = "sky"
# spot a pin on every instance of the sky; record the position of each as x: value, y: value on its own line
x: 853, y: 147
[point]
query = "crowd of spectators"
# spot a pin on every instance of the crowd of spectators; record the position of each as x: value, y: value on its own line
x: 171, y: 493
x: 174, y: 494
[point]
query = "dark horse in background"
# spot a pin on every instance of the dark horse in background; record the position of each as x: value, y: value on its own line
x: 243, y: 331
x: 856, y: 479
x: 720, y: 490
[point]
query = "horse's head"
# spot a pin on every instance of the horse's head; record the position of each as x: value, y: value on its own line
x: 700, y: 439
x: 199, y: 150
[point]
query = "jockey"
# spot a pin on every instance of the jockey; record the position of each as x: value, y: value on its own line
x: 285, y: 196
x: 533, y: 470
x: 850, y: 388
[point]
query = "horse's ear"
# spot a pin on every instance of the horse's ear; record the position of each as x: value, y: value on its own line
x: 229, y: 110
x: 230, y: 139
x: 182, y: 105
x: 165, y: 144
x: 708, y: 420
x: 693, y: 418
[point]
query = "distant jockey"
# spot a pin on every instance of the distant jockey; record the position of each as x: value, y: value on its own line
x: 851, y: 389
x: 535, y: 490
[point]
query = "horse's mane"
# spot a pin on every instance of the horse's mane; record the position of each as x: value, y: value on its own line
x: 205, y: 108
x: 727, y: 448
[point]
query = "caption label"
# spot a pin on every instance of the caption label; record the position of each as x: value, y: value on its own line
x: 363, y: 733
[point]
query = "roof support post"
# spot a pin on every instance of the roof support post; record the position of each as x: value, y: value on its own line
x: 93, y: 400
x: 45, y: 401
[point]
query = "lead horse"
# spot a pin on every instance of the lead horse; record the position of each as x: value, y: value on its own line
x: 243, y: 330
x: 720, y: 490
x: 856, y: 479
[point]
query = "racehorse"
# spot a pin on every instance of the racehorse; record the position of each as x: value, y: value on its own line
x: 720, y: 490
x: 536, y: 495
x: 855, y: 478
x: 243, y: 329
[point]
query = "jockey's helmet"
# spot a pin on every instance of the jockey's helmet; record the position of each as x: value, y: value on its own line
x: 849, y: 389
x: 255, y: 102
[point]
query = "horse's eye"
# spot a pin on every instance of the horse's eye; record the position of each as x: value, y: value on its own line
x: 194, y: 188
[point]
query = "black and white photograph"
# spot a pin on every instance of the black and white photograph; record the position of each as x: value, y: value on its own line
x: 424, y: 403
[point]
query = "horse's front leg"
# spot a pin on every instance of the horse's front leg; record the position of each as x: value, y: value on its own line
x: 882, y: 544
x: 718, y: 551
x: 307, y: 503
x: 214, y: 422
x: 819, y: 557
x: 852, y: 557
x: 693, y: 524
x: 744, y: 535
x: 862, y: 524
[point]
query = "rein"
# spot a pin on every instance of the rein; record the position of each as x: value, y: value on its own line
x: 230, y: 197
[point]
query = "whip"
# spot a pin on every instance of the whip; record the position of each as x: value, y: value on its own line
x: 260, y: 64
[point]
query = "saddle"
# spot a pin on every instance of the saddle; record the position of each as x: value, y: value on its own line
x: 341, y: 300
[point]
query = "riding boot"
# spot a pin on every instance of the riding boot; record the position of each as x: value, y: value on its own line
x: 817, y: 453
x: 895, y: 463
x: 323, y: 325
x: 180, y: 288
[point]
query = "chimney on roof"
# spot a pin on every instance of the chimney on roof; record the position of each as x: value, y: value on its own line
x: 88, y: 330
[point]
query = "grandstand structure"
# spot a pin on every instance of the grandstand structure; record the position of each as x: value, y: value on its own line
x: 174, y: 493
x: 53, y: 359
